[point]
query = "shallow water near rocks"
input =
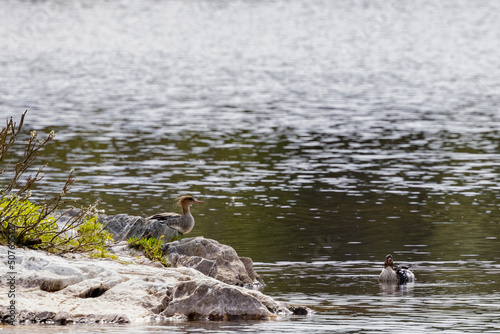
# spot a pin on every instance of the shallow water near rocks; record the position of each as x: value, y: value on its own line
x: 322, y: 135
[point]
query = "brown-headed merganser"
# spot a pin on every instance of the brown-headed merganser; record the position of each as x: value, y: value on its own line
x: 397, y: 275
x: 182, y: 223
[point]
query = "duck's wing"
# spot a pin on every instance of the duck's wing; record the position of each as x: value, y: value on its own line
x: 165, y: 216
x: 171, y: 219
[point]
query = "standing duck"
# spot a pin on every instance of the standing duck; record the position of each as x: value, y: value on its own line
x: 181, y: 223
x: 391, y: 274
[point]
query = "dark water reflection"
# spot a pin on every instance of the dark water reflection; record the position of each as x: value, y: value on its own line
x: 322, y: 136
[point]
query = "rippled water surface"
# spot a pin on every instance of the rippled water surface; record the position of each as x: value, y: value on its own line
x: 321, y: 134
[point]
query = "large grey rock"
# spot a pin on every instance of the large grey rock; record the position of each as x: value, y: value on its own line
x: 212, y: 259
x: 123, y: 227
x: 213, y: 300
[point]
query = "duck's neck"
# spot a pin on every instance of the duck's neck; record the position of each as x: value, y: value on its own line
x: 185, y: 210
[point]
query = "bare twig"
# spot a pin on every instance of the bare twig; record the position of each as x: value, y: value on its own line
x: 34, y: 225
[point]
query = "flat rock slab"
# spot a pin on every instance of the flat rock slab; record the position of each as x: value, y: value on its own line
x: 77, y: 289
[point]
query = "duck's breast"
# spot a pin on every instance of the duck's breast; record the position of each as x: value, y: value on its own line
x: 388, y: 275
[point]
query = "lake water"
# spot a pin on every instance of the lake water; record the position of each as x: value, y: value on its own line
x: 322, y: 135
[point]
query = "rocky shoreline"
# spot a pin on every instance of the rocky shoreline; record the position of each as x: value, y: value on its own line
x: 206, y: 280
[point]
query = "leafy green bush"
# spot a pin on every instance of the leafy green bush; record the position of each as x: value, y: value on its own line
x: 80, y: 235
x: 25, y: 216
x: 92, y: 236
x: 23, y: 223
x: 151, y: 247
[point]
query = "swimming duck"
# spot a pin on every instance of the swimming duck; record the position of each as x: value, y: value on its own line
x: 391, y: 274
x: 182, y: 223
